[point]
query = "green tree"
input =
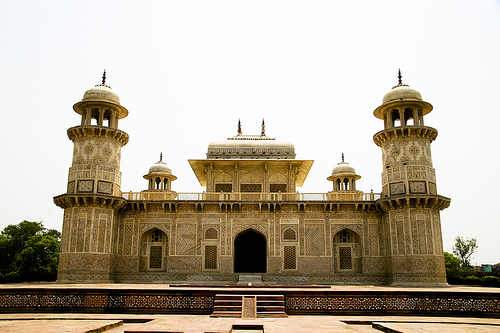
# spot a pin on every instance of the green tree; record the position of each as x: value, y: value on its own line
x: 452, y: 265
x: 464, y: 249
x: 20, y: 233
x: 19, y: 251
x: 39, y: 258
x: 6, y: 254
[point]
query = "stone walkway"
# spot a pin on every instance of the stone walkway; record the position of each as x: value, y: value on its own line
x: 117, y: 323
x: 156, y: 323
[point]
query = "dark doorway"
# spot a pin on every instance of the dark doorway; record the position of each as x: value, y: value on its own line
x: 250, y: 253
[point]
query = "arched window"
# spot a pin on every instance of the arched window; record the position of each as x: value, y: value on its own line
x: 106, y: 118
x: 408, y: 114
x: 396, y: 118
x: 289, y: 234
x: 347, y: 251
x: 94, y: 116
x: 211, y: 233
x: 154, y: 250
x: 346, y: 184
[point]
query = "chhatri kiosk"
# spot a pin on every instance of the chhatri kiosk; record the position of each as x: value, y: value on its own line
x: 250, y: 219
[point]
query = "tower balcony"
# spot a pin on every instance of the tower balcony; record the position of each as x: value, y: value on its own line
x: 404, y: 132
x: 98, y: 131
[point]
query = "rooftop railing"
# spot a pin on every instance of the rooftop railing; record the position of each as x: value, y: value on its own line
x: 251, y: 196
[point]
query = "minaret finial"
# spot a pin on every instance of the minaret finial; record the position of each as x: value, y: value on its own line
x: 263, y: 132
x: 104, y: 78
x: 161, y: 156
x: 342, y: 157
x: 400, y: 80
x: 239, y: 127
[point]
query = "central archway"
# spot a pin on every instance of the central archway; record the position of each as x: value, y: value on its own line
x: 250, y: 248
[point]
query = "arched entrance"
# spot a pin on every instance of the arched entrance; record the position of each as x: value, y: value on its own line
x: 250, y: 248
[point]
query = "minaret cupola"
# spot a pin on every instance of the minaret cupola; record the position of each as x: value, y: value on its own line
x: 344, y: 177
x: 402, y: 106
x: 160, y: 176
x: 101, y: 106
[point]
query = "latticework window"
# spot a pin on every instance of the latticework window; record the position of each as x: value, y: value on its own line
x: 345, y: 258
x: 289, y: 257
x: 211, y: 233
x: 345, y: 236
x: 251, y: 188
x: 223, y: 187
x: 289, y: 234
x: 277, y: 188
x: 155, y: 256
x: 211, y: 257
x: 156, y: 235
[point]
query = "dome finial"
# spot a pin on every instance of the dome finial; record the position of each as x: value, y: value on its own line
x: 239, y: 127
x: 263, y: 132
x: 400, y: 80
x: 103, y: 83
x: 342, y: 157
x: 161, y: 156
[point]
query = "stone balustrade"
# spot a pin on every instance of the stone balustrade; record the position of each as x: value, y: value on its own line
x: 251, y: 196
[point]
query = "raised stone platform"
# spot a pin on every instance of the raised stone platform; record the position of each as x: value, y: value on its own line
x: 200, y: 299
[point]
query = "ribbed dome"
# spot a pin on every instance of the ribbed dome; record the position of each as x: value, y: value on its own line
x: 251, y: 147
x: 402, y: 92
x: 101, y: 93
x: 160, y: 168
x: 343, y: 168
x: 250, y: 142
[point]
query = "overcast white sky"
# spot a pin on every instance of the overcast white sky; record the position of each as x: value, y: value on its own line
x: 315, y: 70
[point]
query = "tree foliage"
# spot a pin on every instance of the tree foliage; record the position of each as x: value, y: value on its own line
x: 452, y: 265
x: 39, y: 258
x: 464, y: 249
x: 29, y: 252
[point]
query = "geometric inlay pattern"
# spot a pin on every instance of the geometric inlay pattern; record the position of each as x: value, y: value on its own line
x: 398, y: 188
x: 345, y: 257
x: 290, y: 257
x: 85, y: 185
x: 417, y: 187
x: 417, y: 303
x: 104, y: 187
x: 211, y: 257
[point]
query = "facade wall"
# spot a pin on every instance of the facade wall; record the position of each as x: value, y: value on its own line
x: 300, y: 245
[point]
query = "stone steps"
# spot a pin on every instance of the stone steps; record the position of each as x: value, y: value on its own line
x: 249, y: 306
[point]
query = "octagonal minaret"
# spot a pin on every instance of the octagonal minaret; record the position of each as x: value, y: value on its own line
x: 409, y: 201
x: 93, y: 193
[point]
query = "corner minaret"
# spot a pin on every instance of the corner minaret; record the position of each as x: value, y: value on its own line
x: 93, y: 193
x: 409, y: 201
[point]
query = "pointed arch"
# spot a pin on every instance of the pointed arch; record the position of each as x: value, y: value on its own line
x: 250, y: 252
x: 347, y: 251
x: 153, y: 250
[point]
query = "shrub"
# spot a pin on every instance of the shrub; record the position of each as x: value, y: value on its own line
x: 472, y: 280
x: 12, y: 277
x: 493, y: 281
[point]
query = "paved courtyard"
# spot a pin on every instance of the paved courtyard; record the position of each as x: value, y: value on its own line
x: 116, y: 323
x: 135, y: 323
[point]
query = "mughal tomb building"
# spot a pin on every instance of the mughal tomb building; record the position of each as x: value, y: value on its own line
x: 250, y: 219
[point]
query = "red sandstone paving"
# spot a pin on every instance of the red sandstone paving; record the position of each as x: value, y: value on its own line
x: 78, y: 323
